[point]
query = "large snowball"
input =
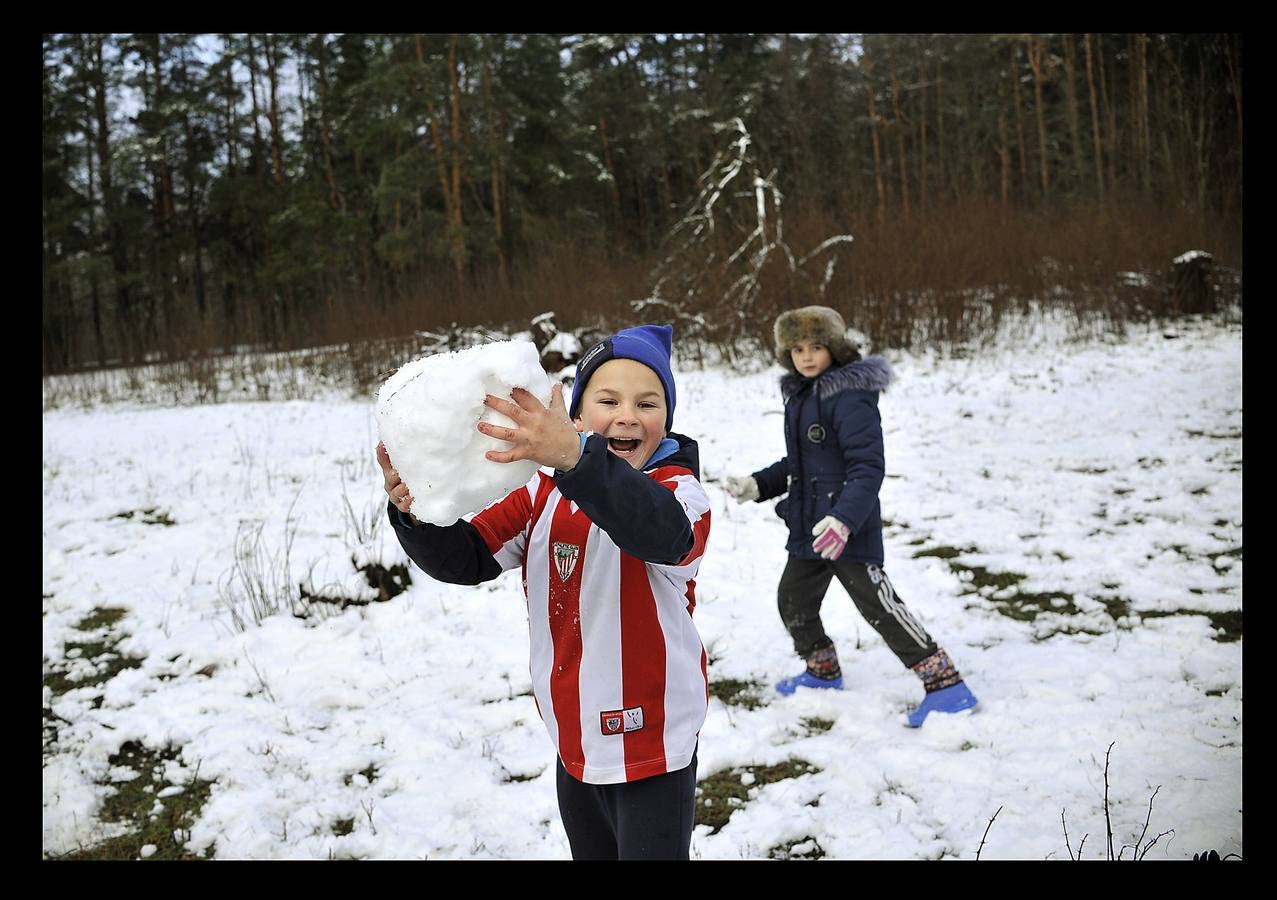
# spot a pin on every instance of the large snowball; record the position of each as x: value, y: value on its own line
x: 426, y: 415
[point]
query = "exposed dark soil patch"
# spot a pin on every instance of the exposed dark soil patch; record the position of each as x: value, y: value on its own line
x: 722, y: 793
x: 162, y: 823
x: 734, y: 692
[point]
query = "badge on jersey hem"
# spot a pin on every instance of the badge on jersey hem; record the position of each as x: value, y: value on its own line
x: 621, y: 721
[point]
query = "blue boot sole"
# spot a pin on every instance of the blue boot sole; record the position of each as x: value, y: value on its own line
x: 954, y: 698
x: 786, y: 686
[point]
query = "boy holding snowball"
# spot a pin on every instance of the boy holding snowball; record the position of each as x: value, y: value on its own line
x: 609, y: 545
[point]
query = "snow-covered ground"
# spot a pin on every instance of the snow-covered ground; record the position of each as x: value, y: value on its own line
x: 1106, y: 473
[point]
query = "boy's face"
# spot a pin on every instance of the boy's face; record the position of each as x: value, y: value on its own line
x: 810, y: 359
x: 625, y: 402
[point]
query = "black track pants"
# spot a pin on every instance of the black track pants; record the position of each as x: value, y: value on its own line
x: 646, y: 819
x: 802, y: 590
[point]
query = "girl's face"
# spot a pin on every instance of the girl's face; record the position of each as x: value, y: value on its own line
x: 810, y: 359
x: 625, y: 402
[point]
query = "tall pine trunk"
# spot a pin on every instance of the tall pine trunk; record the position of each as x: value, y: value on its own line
x: 1233, y: 57
x: 1070, y: 94
x: 119, y: 252
x: 1034, y: 48
x: 276, y: 137
x: 336, y: 200
x: 1146, y: 143
x: 229, y: 315
x: 900, y: 138
x: 1113, y: 148
x: 262, y: 244
x: 922, y: 124
x: 95, y: 294
x: 451, y: 197
x: 1004, y: 149
x: 1095, y: 119
x: 941, y: 138
x: 614, y: 189
x: 867, y: 66
x: 494, y: 173
x: 1019, y: 119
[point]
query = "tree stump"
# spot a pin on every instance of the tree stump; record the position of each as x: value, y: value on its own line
x: 563, y: 350
x: 1192, y: 285
x: 543, y: 330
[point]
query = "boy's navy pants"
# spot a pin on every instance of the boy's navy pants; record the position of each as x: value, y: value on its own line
x: 646, y: 819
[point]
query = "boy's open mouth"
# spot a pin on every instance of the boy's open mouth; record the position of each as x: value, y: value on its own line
x: 623, y: 445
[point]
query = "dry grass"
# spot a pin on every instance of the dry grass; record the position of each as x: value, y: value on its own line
x: 944, y: 278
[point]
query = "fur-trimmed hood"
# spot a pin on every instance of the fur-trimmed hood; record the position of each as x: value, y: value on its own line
x: 873, y: 373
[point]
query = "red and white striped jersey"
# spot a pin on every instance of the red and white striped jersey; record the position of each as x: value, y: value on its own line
x: 618, y: 669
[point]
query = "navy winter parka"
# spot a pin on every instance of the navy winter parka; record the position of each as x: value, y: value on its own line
x: 834, y: 460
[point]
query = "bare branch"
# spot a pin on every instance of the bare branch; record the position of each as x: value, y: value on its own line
x: 827, y: 242
x: 986, y: 834
x: 1108, y: 822
x: 829, y: 276
x: 1147, y: 818
x: 1149, y: 845
x: 723, y: 255
x: 261, y: 679
x: 1066, y: 835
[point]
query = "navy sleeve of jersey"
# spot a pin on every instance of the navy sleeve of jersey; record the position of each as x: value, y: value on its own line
x: 641, y: 515
x: 454, y: 553
x: 773, y: 480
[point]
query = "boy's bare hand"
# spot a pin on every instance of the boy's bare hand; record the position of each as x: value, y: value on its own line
x: 543, y: 434
x: 395, y: 487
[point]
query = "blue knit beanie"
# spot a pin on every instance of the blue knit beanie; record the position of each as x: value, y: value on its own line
x: 648, y: 344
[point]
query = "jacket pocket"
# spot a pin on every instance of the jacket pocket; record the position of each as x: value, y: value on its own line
x: 824, y: 496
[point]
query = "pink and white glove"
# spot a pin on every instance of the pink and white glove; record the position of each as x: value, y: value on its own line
x: 831, y: 537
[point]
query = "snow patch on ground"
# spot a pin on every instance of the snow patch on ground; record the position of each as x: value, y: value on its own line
x: 1106, y: 473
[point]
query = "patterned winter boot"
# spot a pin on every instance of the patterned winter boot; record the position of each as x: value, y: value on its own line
x: 822, y: 672
x: 946, y: 691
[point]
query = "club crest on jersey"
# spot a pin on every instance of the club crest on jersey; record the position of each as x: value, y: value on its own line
x: 621, y: 721
x: 565, y: 557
